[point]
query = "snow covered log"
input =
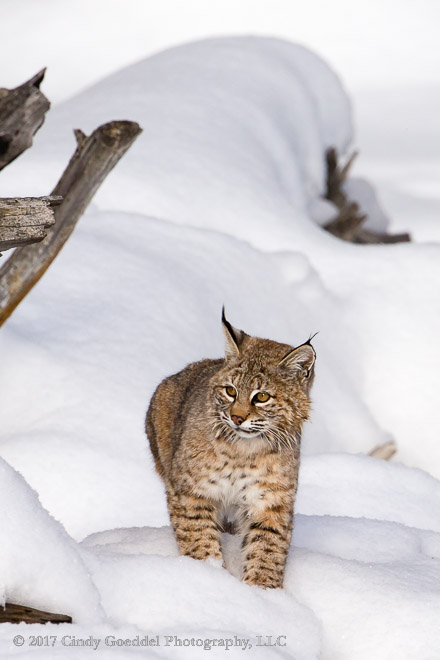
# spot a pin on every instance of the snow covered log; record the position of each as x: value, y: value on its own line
x: 95, y: 156
x: 22, y: 112
x: 25, y: 220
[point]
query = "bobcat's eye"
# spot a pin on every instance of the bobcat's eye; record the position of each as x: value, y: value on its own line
x: 261, y: 397
x: 231, y: 391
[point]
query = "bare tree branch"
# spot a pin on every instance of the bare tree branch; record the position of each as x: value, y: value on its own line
x: 348, y: 224
x: 22, y: 113
x: 385, y: 451
x: 93, y: 159
x: 24, y: 220
x: 11, y: 613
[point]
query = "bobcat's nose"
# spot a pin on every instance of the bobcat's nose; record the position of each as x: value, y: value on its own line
x: 237, y: 419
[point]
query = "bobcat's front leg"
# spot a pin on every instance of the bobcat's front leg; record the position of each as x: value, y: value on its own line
x: 266, y: 540
x: 194, y: 521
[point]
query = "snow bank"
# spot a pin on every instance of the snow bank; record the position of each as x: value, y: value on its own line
x: 371, y: 609
x: 233, y: 142
x: 40, y: 566
x: 181, y: 596
x: 243, y: 120
x: 96, y: 348
x: 366, y: 558
x: 359, y: 486
x: 370, y: 579
x: 358, y: 584
x: 211, y: 206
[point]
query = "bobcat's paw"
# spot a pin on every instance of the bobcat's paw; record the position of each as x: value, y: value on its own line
x: 259, y: 579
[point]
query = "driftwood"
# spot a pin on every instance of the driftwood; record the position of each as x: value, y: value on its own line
x: 22, y: 113
x: 22, y: 110
x: 25, y: 220
x: 348, y: 224
x: 385, y: 451
x: 94, y: 158
x: 21, y: 614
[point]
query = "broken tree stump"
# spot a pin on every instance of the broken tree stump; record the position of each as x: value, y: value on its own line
x: 24, y: 220
x: 22, y: 112
x: 94, y: 158
x: 348, y: 223
x: 11, y: 613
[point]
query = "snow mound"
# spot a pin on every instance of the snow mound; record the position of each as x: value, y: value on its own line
x: 365, y: 577
x: 212, y: 205
x: 241, y: 119
x: 234, y: 132
x: 40, y: 565
x: 360, y: 486
x: 179, y: 595
x: 87, y: 424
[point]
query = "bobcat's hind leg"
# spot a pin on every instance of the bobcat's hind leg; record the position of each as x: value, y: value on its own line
x: 195, y: 525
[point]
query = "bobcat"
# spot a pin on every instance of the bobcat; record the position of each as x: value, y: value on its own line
x: 225, y: 436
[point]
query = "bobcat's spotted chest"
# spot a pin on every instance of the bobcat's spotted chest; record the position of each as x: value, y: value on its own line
x: 236, y: 483
x: 225, y: 436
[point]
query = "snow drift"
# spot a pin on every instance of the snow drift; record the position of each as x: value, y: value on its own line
x: 213, y: 205
x: 40, y: 565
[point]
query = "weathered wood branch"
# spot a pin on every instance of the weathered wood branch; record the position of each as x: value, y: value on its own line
x: 12, y: 613
x: 337, y: 176
x: 385, y: 451
x: 22, y: 113
x: 368, y: 236
x: 348, y: 224
x: 25, y: 220
x: 94, y: 158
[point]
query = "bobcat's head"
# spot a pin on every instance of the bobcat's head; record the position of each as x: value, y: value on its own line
x: 261, y: 394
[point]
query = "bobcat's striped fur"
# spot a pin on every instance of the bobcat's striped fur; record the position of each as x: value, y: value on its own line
x: 225, y: 436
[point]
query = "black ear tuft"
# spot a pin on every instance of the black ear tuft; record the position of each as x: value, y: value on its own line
x: 225, y: 320
x: 233, y: 338
x: 312, y: 337
x: 300, y: 359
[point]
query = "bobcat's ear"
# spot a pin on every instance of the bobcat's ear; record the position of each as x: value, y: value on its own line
x: 301, y: 359
x: 233, y: 338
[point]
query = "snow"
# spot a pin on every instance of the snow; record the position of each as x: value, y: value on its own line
x: 40, y: 565
x: 400, y: 141
x: 214, y: 204
x: 255, y: 140
x: 197, y: 600
x: 81, y: 42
